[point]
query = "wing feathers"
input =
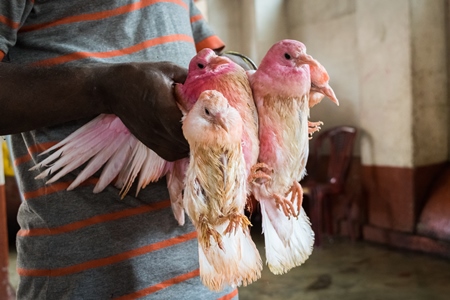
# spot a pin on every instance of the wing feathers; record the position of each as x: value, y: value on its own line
x: 104, y: 141
x: 115, y: 164
x: 98, y: 161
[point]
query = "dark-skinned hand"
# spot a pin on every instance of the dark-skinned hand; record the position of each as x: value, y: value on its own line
x: 142, y: 96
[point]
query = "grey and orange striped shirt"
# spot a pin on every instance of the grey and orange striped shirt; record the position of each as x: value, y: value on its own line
x: 74, y: 244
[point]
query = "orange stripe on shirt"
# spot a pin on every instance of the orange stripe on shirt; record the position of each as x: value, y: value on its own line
x: 97, y: 263
x: 56, y: 187
x: 33, y: 149
x: 94, y: 220
x: 8, y: 22
x: 196, y: 18
x: 113, y: 53
x: 212, y: 42
x: 2, y: 55
x: 162, y: 285
x: 230, y: 295
x: 100, y: 15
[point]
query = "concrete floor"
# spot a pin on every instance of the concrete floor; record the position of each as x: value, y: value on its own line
x: 341, y: 269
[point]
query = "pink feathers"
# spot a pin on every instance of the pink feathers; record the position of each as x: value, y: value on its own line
x: 282, y: 86
x: 105, y: 141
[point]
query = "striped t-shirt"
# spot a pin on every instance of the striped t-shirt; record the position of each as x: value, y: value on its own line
x: 74, y: 244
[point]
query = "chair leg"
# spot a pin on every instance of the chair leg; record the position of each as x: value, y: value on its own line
x: 316, y: 216
x: 353, y: 217
x: 327, y: 215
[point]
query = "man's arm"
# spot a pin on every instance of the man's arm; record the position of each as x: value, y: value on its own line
x: 141, y: 95
x: 36, y: 97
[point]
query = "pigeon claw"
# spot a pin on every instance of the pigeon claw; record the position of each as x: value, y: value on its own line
x: 261, y: 167
x: 236, y: 220
x: 297, y: 194
x: 260, y: 173
x: 285, y: 205
x: 207, y: 232
x: 288, y: 205
x: 313, y: 127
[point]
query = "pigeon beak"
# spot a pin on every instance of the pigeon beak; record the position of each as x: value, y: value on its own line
x: 219, y: 61
x: 326, y: 90
x: 221, y: 122
x: 304, y: 58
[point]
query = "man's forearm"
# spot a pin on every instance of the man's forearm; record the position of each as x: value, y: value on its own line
x: 32, y: 97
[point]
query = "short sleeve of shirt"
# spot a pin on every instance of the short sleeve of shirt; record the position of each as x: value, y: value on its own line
x: 204, y: 37
x: 12, y: 15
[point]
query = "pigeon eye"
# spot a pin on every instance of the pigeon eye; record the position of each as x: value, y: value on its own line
x: 206, y: 111
x: 287, y: 56
x: 201, y: 66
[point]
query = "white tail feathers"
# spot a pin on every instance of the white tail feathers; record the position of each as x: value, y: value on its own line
x: 237, y: 263
x: 288, y: 241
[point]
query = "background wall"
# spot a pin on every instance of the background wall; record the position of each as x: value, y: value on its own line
x: 386, y: 60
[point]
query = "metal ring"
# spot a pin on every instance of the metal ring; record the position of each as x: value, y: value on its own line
x: 245, y: 58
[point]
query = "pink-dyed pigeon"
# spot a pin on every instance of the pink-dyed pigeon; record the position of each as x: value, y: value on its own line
x: 281, y: 87
x: 216, y: 191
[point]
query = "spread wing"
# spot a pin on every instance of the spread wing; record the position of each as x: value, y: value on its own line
x: 103, y: 142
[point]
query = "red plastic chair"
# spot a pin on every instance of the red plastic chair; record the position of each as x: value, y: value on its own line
x: 335, y: 164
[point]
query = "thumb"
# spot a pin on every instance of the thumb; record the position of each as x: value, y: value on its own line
x: 175, y: 72
x: 179, y: 74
